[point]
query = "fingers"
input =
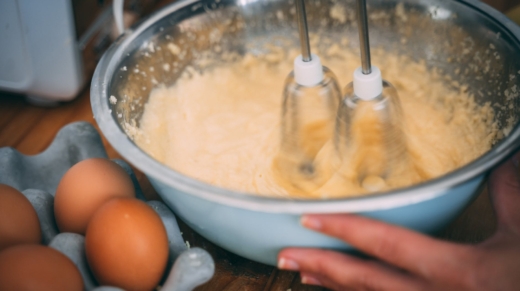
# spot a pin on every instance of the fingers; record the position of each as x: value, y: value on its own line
x: 342, y: 272
x: 504, y: 187
x: 397, y: 246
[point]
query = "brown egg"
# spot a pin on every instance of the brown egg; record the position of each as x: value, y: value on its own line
x: 19, y: 222
x: 36, y: 267
x: 126, y: 245
x: 84, y: 188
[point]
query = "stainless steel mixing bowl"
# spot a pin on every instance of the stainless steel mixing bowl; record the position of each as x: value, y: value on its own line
x: 464, y: 39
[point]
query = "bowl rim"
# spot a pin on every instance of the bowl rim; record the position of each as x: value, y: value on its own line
x: 159, y: 172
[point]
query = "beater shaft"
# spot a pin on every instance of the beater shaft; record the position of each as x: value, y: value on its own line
x: 304, y: 31
x: 364, y: 42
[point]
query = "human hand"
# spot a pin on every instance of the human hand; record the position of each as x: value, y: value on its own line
x: 411, y: 261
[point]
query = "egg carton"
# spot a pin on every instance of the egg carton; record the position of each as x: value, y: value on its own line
x: 37, y: 177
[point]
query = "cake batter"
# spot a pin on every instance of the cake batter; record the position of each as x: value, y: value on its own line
x: 222, y: 127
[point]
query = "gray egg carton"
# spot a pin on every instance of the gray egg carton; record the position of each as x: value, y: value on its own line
x: 38, y: 177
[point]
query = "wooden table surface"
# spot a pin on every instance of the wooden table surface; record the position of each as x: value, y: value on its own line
x: 30, y: 129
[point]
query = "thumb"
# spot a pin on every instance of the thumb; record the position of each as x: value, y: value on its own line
x: 504, y: 187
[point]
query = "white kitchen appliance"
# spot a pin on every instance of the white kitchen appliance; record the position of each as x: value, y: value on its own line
x: 39, y: 52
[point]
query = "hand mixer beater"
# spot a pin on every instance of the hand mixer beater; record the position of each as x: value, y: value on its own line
x: 369, y: 136
x: 310, y: 102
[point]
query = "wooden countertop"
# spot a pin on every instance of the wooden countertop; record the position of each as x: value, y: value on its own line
x: 31, y: 129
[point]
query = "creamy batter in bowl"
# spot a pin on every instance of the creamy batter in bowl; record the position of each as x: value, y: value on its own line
x: 227, y: 132
x: 467, y: 41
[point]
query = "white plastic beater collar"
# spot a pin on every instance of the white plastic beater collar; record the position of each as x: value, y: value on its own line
x: 369, y: 86
x: 310, y: 73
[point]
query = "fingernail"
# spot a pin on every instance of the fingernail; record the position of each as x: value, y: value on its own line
x: 311, y: 222
x: 287, y: 264
x: 310, y: 280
